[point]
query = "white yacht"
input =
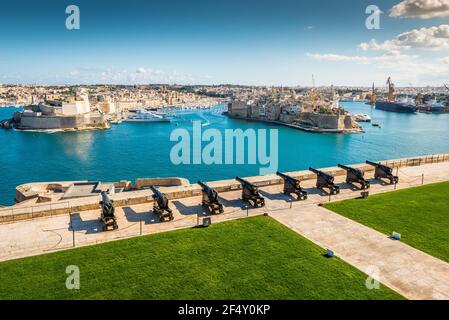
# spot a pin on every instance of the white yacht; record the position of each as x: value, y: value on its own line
x: 362, y: 118
x: 146, y: 116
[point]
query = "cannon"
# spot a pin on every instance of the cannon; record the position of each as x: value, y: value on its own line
x: 107, y: 212
x: 160, y: 206
x: 210, y: 199
x: 383, y: 172
x: 250, y: 193
x: 354, y: 175
x: 292, y: 186
x: 325, y: 180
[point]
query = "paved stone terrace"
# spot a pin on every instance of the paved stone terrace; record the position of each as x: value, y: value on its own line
x: 409, y: 273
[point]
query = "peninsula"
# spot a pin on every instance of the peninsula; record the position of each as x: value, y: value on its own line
x: 310, y: 111
x: 72, y: 113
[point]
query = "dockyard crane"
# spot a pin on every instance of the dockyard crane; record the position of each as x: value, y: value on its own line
x: 373, y: 96
x: 390, y: 85
x: 446, y: 86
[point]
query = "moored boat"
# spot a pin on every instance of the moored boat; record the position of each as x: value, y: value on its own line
x: 362, y: 118
x: 404, y: 105
x: 395, y: 106
x: 433, y: 106
x: 146, y: 116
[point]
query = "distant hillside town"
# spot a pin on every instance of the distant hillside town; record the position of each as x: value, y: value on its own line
x: 315, y: 109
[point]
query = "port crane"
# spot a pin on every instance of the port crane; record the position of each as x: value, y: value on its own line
x: 390, y: 85
x: 373, y: 96
x: 446, y: 86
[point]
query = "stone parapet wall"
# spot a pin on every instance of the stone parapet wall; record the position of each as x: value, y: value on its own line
x: 48, y: 122
x: 16, y: 213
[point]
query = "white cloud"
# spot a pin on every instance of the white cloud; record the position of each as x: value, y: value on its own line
x: 423, y: 9
x: 445, y: 60
x: 141, y: 75
x: 361, y: 59
x: 433, y: 38
x: 405, y: 68
x: 328, y: 57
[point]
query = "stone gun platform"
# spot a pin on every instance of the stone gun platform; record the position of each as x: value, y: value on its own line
x: 412, y: 273
x: 63, y: 231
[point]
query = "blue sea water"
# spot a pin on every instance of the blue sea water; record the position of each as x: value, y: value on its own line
x: 137, y: 150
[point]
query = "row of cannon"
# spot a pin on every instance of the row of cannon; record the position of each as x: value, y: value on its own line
x: 251, y: 194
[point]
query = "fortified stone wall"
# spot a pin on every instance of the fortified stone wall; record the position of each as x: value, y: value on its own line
x: 62, y: 122
x: 238, y: 109
x: 287, y: 118
x: 324, y: 121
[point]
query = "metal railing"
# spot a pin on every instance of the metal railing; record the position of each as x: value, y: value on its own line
x: 417, y: 161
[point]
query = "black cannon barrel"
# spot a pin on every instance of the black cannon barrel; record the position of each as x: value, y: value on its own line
x: 105, y: 198
x: 380, y: 165
x: 246, y: 182
x: 211, y: 193
x: 156, y: 191
x: 321, y: 173
x: 286, y: 177
x: 356, y: 171
x: 203, y: 185
x: 107, y: 212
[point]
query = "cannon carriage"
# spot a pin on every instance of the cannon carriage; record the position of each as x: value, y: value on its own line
x: 354, y: 175
x: 292, y: 186
x: 160, y: 206
x: 325, y: 180
x: 383, y: 172
x: 108, y: 218
x: 250, y: 193
x: 210, y: 199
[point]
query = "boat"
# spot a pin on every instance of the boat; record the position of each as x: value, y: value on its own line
x: 376, y: 124
x: 142, y: 115
x: 403, y: 105
x: 395, y: 106
x: 362, y: 118
x: 433, y: 106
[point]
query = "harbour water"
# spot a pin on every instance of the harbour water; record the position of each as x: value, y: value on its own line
x: 136, y: 150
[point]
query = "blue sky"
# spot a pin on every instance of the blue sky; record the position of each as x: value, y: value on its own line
x: 261, y: 42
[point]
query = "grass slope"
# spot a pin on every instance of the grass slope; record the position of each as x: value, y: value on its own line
x: 255, y: 258
x: 420, y: 215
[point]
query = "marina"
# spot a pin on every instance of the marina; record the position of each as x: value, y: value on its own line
x: 143, y: 115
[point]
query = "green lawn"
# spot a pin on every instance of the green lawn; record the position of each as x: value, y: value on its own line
x: 420, y: 215
x: 254, y: 258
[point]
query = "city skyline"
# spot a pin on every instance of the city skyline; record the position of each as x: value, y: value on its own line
x: 254, y: 43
